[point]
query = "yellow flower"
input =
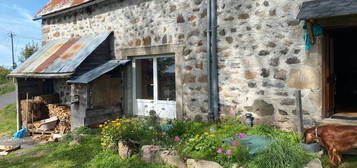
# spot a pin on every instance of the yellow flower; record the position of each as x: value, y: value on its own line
x: 105, y: 122
x: 117, y: 124
x: 101, y: 125
x: 114, y: 121
x: 106, y: 127
x: 206, y: 133
x: 126, y: 121
x: 197, y: 136
x: 212, y: 135
x: 103, y: 144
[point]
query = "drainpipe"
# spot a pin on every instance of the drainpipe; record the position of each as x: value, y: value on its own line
x: 212, y: 60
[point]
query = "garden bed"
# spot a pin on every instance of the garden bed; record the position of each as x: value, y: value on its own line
x: 222, y: 143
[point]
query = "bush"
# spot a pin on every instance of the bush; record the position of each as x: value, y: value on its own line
x: 126, y: 130
x: 280, y: 154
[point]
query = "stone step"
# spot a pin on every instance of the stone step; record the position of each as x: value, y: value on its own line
x: 327, y: 121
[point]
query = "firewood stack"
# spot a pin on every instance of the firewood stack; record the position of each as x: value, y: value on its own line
x: 33, y: 111
x: 63, y: 113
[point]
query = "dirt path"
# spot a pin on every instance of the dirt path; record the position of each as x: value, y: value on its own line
x: 7, y: 99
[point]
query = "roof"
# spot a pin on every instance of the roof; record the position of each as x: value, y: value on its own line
x: 54, y: 6
x: 327, y: 8
x: 97, y: 72
x: 59, y: 58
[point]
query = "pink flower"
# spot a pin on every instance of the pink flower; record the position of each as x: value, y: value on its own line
x: 234, y: 143
x: 241, y: 136
x: 232, y: 113
x: 228, y: 152
x: 177, y: 139
x: 219, y: 150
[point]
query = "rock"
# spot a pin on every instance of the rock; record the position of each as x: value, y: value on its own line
x: 243, y: 16
x: 306, y: 78
x: 287, y: 102
x: 263, y: 108
x: 191, y: 163
x: 293, y: 60
x: 171, y: 158
x: 150, y: 153
x: 274, y: 62
x: 316, y: 163
x: 112, y: 146
x: 123, y: 150
x: 263, y: 53
x: 180, y: 19
x: 280, y: 74
x: 282, y: 112
x: 265, y: 73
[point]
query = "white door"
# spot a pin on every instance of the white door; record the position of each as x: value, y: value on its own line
x: 154, y: 86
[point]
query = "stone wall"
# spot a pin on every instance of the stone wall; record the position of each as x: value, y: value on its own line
x: 262, y: 61
x: 260, y: 47
x: 63, y: 90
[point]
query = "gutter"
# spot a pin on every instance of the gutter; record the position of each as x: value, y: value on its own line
x: 213, y: 108
x: 66, y: 10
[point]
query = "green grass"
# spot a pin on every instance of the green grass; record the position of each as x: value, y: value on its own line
x: 8, y: 120
x: 7, y: 87
x: 87, y: 154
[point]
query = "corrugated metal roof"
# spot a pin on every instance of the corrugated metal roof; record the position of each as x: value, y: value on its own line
x: 60, y: 56
x: 327, y: 8
x: 97, y: 72
x: 58, y: 5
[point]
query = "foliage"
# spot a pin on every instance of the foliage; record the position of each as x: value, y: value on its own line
x: 8, y: 120
x: 107, y: 159
x: 7, y: 88
x: 6, y: 85
x: 26, y: 52
x: 87, y: 154
x: 124, y: 130
x: 3, y: 75
x: 281, y: 154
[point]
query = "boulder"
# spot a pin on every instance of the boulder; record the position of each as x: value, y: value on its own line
x: 150, y: 153
x: 191, y: 163
x: 123, y: 150
x: 171, y: 158
x: 316, y: 163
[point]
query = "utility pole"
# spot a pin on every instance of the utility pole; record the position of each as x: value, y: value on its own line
x: 12, y: 35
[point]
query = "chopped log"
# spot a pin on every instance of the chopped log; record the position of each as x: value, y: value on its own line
x: 63, y: 113
x: 5, y: 150
x: 47, y: 99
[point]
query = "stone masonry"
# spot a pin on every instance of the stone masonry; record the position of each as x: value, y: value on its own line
x: 262, y: 59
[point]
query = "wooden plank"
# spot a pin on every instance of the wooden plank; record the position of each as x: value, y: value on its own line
x: 300, y: 127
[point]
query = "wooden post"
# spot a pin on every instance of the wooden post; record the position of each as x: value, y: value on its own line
x: 299, y: 112
x: 18, y: 107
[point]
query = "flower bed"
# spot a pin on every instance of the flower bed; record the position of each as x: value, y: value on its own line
x: 221, y: 142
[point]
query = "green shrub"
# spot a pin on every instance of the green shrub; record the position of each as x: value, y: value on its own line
x: 125, y: 130
x: 108, y: 159
x: 280, y: 154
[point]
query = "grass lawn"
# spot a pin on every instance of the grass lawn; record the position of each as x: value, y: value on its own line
x: 87, y: 154
x: 8, y: 120
x: 7, y: 87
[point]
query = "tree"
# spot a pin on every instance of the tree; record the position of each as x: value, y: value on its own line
x: 26, y: 52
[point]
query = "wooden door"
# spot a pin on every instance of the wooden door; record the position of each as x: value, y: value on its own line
x: 329, y: 78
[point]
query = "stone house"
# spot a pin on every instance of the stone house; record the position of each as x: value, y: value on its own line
x: 261, y: 53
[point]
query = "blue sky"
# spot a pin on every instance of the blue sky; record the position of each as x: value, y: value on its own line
x: 16, y: 16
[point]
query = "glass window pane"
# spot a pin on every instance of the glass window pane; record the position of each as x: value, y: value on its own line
x: 166, y: 78
x: 144, y: 79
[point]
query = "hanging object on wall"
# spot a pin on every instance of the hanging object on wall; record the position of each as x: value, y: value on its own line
x: 312, y: 30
